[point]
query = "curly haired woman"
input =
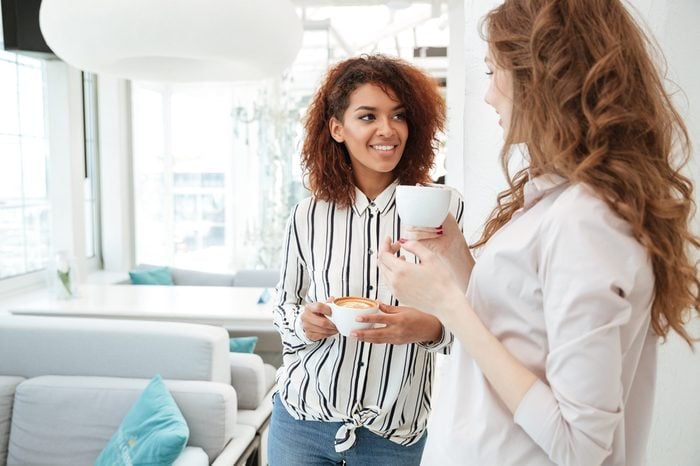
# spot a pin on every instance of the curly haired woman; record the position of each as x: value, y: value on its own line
x: 362, y: 399
x: 586, y: 262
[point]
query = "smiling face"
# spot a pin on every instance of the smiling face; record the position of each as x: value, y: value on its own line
x: 374, y: 131
x: 500, y: 92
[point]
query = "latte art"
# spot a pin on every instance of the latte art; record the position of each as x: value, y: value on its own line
x: 356, y: 303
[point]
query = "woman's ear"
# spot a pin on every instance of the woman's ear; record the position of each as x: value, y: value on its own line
x: 336, y: 129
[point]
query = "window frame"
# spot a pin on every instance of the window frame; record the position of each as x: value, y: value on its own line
x: 67, y: 145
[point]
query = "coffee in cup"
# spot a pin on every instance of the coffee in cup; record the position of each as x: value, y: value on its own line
x: 345, y: 310
x: 422, y: 206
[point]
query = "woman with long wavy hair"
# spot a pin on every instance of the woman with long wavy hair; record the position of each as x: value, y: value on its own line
x: 585, y: 263
x: 363, y: 398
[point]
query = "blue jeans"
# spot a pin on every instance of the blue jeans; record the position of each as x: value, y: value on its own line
x: 293, y: 442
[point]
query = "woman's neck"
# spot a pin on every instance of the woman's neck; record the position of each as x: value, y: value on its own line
x: 372, y: 188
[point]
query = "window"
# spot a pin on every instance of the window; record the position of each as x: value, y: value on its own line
x: 201, y: 157
x: 24, y: 201
x: 216, y: 166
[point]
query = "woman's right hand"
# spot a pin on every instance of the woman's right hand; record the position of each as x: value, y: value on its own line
x: 449, y: 244
x: 315, y: 323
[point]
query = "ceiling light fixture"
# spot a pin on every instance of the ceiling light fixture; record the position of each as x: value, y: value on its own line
x: 174, y: 40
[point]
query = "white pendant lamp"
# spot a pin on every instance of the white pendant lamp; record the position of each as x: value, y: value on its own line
x: 174, y: 40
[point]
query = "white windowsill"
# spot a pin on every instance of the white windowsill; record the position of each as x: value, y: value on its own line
x: 36, y: 286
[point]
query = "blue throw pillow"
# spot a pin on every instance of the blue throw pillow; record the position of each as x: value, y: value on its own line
x: 153, y: 431
x: 154, y: 276
x: 242, y: 344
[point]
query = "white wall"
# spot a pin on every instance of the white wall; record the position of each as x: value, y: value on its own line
x: 676, y: 425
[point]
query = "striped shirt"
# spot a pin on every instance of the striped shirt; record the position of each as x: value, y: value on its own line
x: 332, y: 251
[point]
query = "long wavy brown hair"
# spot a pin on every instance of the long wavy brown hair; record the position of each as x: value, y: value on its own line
x: 327, y: 162
x: 590, y: 102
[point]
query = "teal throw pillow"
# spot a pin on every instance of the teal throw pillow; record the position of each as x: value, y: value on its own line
x: 153, y: 431
x: 242, y: 344
x: 154, y: 276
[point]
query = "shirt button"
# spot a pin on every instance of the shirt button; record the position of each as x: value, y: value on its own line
x: 362, y: 363
x: 370, y: 252
x: 371, y: 287
x: 371, y: 204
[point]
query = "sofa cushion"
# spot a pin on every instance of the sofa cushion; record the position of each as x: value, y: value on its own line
x: 242, y: 344
x: 63, y: 420
x: 152, y: 432
x: 8, y: 384
x: 153, y: 276
x: 257, y: 277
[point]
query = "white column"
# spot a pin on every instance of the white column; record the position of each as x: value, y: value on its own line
x: 116, y: 188
x: 66, y: 161
x: 455, y: 96
x: 482, y: 137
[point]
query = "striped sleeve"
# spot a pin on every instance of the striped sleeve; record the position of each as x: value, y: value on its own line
x: 293, y: 286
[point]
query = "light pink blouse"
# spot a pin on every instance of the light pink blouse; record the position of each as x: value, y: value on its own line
x: 568, y: 290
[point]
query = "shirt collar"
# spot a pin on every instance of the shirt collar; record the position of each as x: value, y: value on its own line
x: 381, y: 203
x: 537, y: 187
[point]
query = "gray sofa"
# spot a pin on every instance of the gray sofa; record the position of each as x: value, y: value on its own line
x: 259, y: 278
x: 66, y: 383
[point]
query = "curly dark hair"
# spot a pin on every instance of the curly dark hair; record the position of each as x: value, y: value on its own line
x: 591, y: 104
x: 327, y: 162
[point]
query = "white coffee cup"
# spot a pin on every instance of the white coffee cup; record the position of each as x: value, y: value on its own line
x: 345, y: 310
x: 422, y: 206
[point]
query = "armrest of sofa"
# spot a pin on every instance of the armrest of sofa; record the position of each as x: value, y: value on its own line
x: 192, y: 456
x: 251, y: 378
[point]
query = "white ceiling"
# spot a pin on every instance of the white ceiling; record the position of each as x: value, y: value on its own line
x: 357, y: 26
x: 336, y: 29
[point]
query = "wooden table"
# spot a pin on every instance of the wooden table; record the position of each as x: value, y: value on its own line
x: 235, y: 308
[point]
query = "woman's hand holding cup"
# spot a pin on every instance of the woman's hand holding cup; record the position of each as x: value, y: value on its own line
x: 407, y: 281
x: 315, y: 323
x: 425, y: 217
x: 322, y: 320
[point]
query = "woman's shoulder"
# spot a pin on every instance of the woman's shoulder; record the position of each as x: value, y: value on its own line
x: 580, y: 227
x: 580, y: 206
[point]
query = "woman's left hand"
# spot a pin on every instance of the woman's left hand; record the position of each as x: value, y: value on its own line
x: 400, y: 325
x: 447, y: 241
x: 429, y: 285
